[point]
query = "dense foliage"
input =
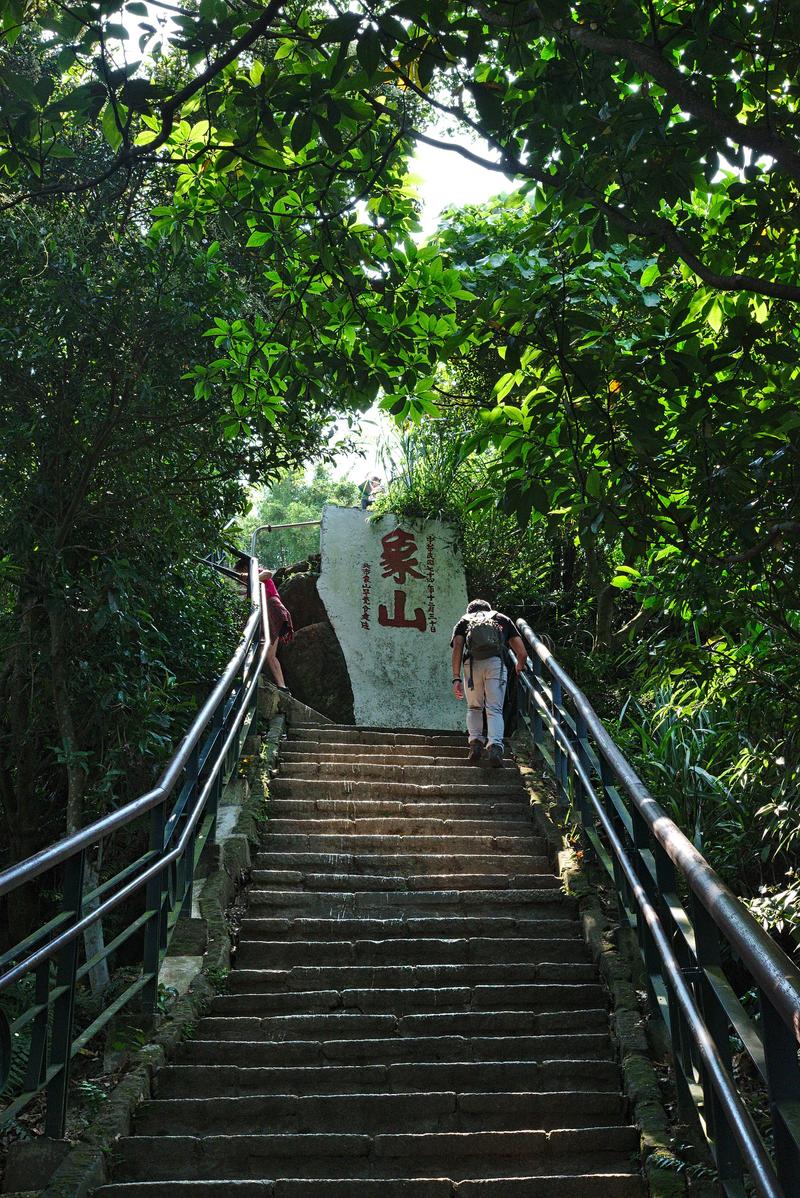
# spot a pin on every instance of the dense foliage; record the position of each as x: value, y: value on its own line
x: 606, y: 408
x: 621, y: 340
x: 116, y: 477
x: 295, y: 498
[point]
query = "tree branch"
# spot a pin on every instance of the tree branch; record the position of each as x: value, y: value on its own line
x: 685, y: 93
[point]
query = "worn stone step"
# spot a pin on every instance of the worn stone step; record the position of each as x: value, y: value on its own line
x: 400, y: 772
x: 299, y: 928
x: 341, y: 734
x: 281, y: 879
x: 512, y: 810
x: 398, y: 825
x: 404, y: 1000
x: 551, y: 1185
x: 331, y: 1024
x: 421, y: 1111
x: 208, y: 1080
x: 379, y: 1155
x: 343, y: 1051
x: 413, y: 902
x: 475, y: 787
x: 408, y: 842
x: 552, y: 958
x: 406, y: 864
x: 325, y: 976
x: 300, y: 751
x: 414, y: 1013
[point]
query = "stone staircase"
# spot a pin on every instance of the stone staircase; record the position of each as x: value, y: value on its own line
x: 413, y: 1011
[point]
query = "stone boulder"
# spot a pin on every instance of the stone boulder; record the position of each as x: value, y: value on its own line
x: 299, y: 593
x: 316, y: 672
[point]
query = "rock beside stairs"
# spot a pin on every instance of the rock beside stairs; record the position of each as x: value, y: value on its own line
x: 413, y: 1013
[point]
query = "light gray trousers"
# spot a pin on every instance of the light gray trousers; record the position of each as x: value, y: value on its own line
x: 487, y: 692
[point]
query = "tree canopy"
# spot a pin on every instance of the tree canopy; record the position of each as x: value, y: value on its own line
x: 675, y: 123
x: 616, y: 346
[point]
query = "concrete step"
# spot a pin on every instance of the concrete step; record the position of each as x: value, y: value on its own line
x: 286, y: 879
x: 210, y: 1080
x: 378, y: 1156
x: 406, y: 864
x: 514, y: 810
x: 401, y: 1000
x: 474, y: 786
x: 413, y: 1014
x: 325, y: 1026
x: 300, y: 751
x: 342, y: 734
x: 398, y: 825
x: 412, y: 902
x: 343, y: 1047
x: 551, y: 1185
x: 551, y: 960
x: 481, y: 928
x: 444, y: 1110
x: 325, y: 976
x: 421, y: 775
x: 404, y: 842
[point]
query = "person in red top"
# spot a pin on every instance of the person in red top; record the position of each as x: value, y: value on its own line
x: 281, y: 630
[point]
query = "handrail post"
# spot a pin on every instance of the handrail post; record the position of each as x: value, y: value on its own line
x: 212, y: 804
x: 727, y: 1156
x: 537, y: 723
x: 64, y: 1004
x: 608, y: 779
x: 666, y: 879
x: 186, y: 875
x: 580, y: 745
x: 783, y: 1088
x: 36, y: 1068
x: 155, y: 893
x: 559, y: 756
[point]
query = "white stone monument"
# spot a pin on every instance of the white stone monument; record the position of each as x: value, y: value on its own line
x: 393, y: 589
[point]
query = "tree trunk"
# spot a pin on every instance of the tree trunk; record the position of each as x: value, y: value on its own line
x: 599, y: 583
x: 93, y: 939
x: 604, y: 618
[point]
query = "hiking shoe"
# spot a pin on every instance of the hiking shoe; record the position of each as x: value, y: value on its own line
x: 475, y: 752
x: 495, y: 756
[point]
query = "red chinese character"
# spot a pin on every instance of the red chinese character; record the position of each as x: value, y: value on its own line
x: 399, y: 556
x: 399, y: 619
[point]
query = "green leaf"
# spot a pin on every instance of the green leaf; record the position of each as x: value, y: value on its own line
x: 368, y: 50
x: 302, y: 131
x: 257, y: 239
x: 341, y: 28
x: 110, y: 126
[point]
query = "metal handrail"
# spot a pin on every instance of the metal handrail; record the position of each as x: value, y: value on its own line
x: 206, y: 754
x: 55, y: 854
x: 272, y: 527
x: 681, y: 952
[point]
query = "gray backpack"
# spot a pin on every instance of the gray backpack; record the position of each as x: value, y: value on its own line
x: 484, y: 636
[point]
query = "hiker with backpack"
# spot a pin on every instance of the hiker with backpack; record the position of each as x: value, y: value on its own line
x: 480, y: 642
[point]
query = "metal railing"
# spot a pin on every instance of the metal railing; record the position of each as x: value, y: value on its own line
x: 179, y: 816
x: 690, y: 928
x: 273, y: 527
